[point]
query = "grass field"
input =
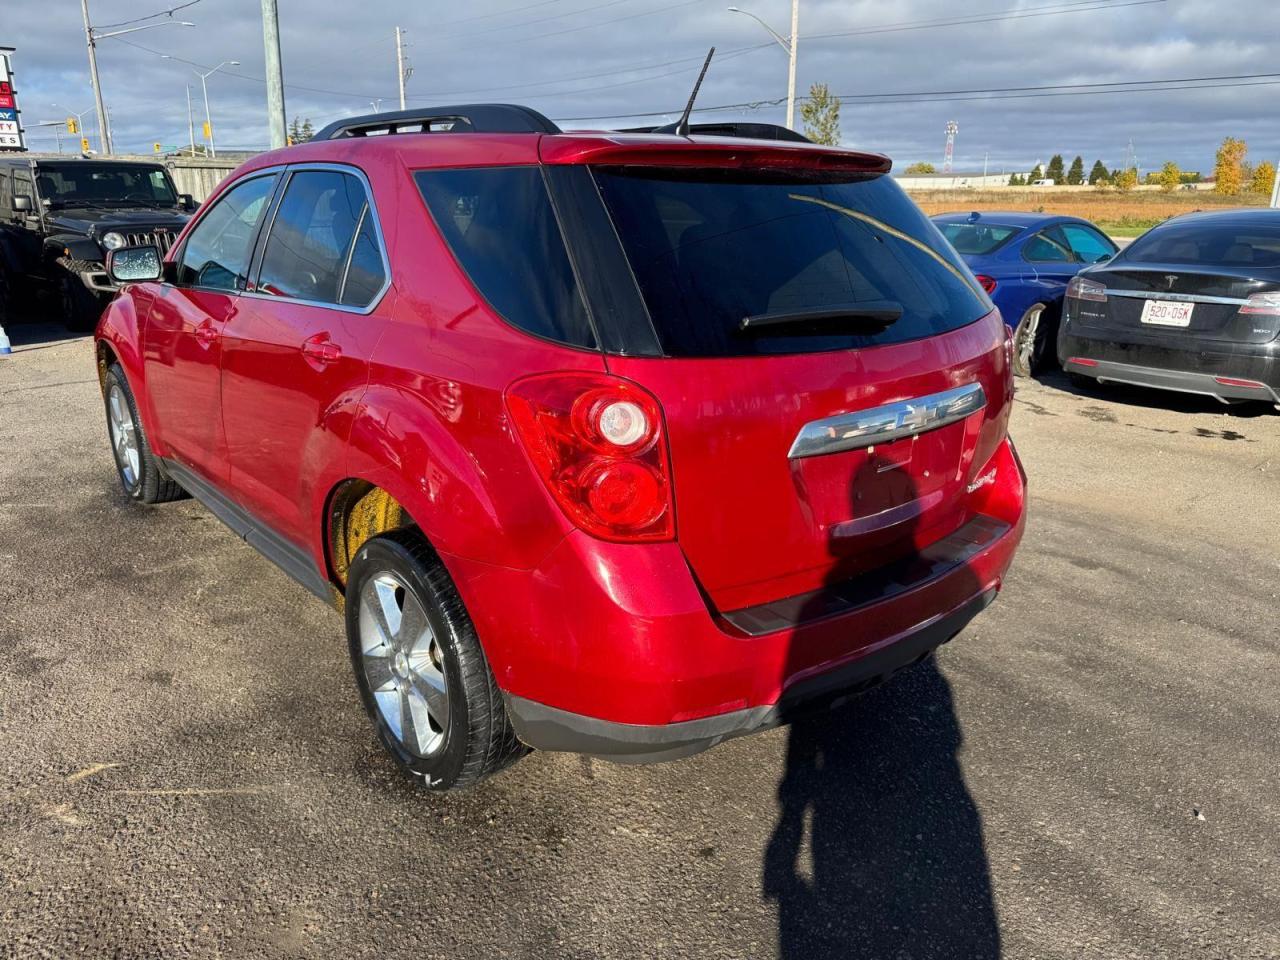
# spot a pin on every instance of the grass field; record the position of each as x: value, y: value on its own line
x: 1119, y: 214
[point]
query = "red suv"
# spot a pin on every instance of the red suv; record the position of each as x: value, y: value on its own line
x: 623, y: 444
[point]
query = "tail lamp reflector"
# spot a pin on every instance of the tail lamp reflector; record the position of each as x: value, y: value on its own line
x: 1083, y: 362
x: 987, y: 283
x: 1237, y: 382
x: 597, y: 443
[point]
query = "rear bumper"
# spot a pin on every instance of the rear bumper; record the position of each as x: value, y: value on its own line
x: 612, y: 649
x: 548, y: 728
x: 1243, y: 372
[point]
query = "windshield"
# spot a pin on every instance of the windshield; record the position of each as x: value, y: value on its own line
x: 1230, y: 243
x: 88, y: 183
x: 710, y: 248
x: 976, y: 239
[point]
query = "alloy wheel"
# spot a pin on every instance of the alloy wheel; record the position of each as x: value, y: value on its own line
x: 404, y: 665
x: 1026, y: 345
x: 124, y: 436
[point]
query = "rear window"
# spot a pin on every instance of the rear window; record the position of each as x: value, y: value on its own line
x: 1228, y: 244
x: 710, y: 248
x: 976, y: 239
x: 499, y: 223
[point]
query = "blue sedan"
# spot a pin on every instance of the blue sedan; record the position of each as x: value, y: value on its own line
x: 1025, y: 261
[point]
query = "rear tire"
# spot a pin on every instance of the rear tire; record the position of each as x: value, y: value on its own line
x: 422, y: 674
x: 141, y: 476
x: 1030, y: 341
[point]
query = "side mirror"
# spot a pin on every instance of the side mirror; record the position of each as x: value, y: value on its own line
x: 22, y: 204
x: 186, y: 202
x: 1104, y: 258
x: 134, y: 264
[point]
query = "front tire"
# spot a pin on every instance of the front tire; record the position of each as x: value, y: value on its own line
x: 1030, y: 342
x: 81, y: 307
x: 141, y: 476
x: 422, y: 674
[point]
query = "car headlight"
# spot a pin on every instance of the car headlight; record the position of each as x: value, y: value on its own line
x: 113, y: 240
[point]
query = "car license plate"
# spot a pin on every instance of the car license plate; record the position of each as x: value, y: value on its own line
x: 1167, y: 313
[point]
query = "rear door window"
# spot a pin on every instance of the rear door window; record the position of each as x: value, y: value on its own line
x: 1048, y: 246
x: 501, y: 227
x: 216, y: 252
x: 710, y: 248
x: 322, y: 222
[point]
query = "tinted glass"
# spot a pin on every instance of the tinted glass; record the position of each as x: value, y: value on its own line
x: 311, y: 235
x: 1087, y: 244
x: 711, y: 248
x: 976, y: 238
x: 216, y: 253
x: 366, y: 274
x: 1048, y: 246
x: 1242, y: 243
x: 499, y: 223
x: 71, y: 183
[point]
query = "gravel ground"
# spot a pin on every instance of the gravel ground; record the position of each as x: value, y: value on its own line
x: 1089, y: 771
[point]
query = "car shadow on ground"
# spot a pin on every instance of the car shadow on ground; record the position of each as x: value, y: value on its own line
x: 1152, y: 399
x: 897, y: 865
x: 26, y: 335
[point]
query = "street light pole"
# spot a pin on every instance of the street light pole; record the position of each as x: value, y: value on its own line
x: 208, y: 117
x: 191, y: 122
x: 787, y: 45
x: 400, y: 74
x: 104, y: 128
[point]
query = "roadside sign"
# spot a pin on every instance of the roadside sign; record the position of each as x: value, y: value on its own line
x: 10, y: 126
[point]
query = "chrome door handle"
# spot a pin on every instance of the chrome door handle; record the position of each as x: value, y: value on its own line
x: 320, y: 349
x: 206, y: 333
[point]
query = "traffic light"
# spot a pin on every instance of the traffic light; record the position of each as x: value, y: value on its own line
x: 208, y: 131
x: 157, y: 148
x: 84, y: 144
x: 73, y: 126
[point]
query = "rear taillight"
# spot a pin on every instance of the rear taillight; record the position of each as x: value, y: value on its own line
x: 1081, y: 289
x: 597, y: 442
x: 1263, y: 304
x: 987, y: 283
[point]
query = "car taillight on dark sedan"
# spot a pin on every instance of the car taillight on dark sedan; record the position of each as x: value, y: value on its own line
x: 1081, y: 288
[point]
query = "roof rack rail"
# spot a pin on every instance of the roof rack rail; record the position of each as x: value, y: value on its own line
x: 467, y: 118
x: 751, y: 131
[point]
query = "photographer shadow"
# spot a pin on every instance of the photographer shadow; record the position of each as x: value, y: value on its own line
x: 896, y: 863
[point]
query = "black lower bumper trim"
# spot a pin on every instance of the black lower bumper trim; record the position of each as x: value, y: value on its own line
x: 548, y: 728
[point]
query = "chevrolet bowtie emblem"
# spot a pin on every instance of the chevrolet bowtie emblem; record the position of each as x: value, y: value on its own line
x: 913, y: 417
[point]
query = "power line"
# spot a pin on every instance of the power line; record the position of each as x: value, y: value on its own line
x: 1026, y: 13
x: 530, y: 23
x: 995, y: 93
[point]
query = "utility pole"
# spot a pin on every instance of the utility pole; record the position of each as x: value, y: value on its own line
x: 275, y: 73
x: 191, y: 122
x: 104, y: 127
x: 1275, y: 189
x: 791, y: 67
x: 401, y: 75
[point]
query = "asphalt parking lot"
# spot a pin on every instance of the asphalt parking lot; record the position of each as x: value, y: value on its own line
x: 1089, y: 771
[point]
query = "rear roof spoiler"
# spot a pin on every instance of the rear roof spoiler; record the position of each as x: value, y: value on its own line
x: 751, y: 131
x: 467, y: 118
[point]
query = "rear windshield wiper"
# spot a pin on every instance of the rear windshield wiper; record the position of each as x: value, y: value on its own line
x: 869, y: 315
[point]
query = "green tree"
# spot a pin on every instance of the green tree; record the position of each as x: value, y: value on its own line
x: 308, y: 131
x: 1098, y: 175
x: 1228, y: 166
x: 1075, y: 176
x: 921, y: 166
x: 821, y: 115
x: 1055, y: 171
x: 1016, y: 180
x: 300, y: 131
x: 1126, y: 180
x: 1264, y: 178
x: 1036, y: 173
x: 1170, y: 177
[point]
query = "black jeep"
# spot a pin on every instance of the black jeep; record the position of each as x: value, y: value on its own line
x: 59, y: 216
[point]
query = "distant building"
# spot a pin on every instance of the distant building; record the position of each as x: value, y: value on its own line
x: 951, y: 181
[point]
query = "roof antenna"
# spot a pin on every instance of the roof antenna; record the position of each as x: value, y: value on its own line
x: 682, y: 126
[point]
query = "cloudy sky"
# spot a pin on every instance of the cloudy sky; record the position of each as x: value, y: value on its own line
x: 592, y: 59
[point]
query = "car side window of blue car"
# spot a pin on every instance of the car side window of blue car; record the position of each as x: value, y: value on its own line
x: 1048, y: 246
x: 1088, y: 244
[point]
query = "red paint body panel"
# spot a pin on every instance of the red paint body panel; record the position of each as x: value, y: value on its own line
x: 414, y: 402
